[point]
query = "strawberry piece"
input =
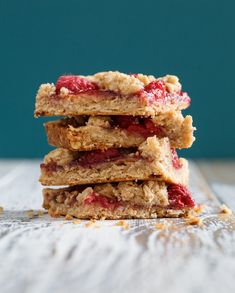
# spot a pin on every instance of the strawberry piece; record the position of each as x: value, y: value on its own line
x: 154, y: 129
x: 96, y: 157
x: 156, y: 89
x: 125, y: 121
x: 142, y: 126
x: 175, y: 159
x: 75, y: 83
x: 102, y: 200
x: 179, y: 197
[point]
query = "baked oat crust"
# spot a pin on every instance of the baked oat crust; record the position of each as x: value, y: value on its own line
x: 117, y: 95
x: 153, y: 160
x: 98, y: 133
x: 137, y: 200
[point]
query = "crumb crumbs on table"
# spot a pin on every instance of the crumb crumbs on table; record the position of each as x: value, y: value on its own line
x: 123, y: 224
x: 199, y: 208
x: 30, y: 213
x: 40, y: 213
x: 194, y: 221
x: 76, y: 222
x: 161, y: 226
x: 225, y: 210
x: 90, y: 224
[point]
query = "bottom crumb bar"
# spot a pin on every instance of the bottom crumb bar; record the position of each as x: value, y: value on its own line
x: 123, y: 200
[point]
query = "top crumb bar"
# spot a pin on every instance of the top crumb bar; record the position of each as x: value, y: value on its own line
x: 111, y: 93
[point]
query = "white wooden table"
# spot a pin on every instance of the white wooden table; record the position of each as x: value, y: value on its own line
x: 40, y: 254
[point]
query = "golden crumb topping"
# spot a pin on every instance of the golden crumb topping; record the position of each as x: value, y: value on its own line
x: 172, y: 83
x: 46, y: 90
x: 127, y: 84
x: 124, y: 84
x: 151, y: 148
x: 102, y: 121
x: 118, y: 82
x: 59, y: 156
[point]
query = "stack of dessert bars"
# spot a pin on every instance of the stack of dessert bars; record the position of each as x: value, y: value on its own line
x: 116, y: 146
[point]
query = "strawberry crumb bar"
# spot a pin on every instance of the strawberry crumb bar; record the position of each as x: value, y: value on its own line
x: 150, y: 199
x: 153, y: 159
x: 86, y: 133
x: 111, y: 93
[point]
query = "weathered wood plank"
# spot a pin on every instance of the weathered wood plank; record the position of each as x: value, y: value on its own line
x: 221, y: 177
x: 40, y: 254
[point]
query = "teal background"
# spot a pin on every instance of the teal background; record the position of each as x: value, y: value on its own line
x: 41, y: 40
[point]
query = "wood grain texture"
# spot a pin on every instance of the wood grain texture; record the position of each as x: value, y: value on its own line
x: 40, y: 254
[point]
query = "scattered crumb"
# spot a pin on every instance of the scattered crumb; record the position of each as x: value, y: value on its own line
x: 123, y: 224
x: 40, y: 213
x: 30, y: 213
x: 194, y: 221
x: 174, y: 228
x: 225, y: 210
x: 161, y: 226
x: 68, y: 217
x: 199, y: 208
x: 90, y: 224
x: 1, y: 210
x: 76, y: 222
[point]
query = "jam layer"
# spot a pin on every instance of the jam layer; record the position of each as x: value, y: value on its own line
x: 178, y: 195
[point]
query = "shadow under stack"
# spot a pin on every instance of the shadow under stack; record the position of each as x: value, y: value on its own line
x: 116, y: 147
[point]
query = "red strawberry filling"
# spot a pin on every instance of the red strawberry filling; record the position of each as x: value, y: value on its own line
x: 154, y: 91
x: 89, y: 159
x: 75, y: 83
x: 179, y: 197
x: 96, y: 157
x: 175, y: 159
x: 102, y: 200
x: 157, y: 91
x: 143, y: 126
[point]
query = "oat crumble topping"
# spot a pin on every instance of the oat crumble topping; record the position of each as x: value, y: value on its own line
x: 125, y: 84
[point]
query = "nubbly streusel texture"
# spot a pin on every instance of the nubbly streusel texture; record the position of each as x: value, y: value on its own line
x: 148, y: 199
x: 111, y: 93
x: 154, y: 159
x: 103, y: 132
x: 116, y: 146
